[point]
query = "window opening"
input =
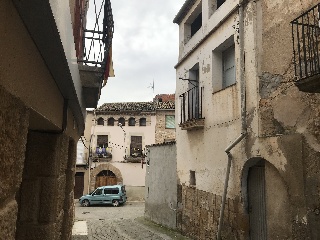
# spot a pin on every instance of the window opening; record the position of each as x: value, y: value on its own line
x: 101, y: 121
x: 143, y: 122
x: 192, y: 178
x: 136, y: 146
x: 132, y: 121
x: 193, y: 92
x: 102, y: 144
x: 196, y: 24
x: 98, y: 192
x: 170, y: 121
x: 229, y: 72
x: 122, y: 121
x: 219, y: 3
x: 111, y: 121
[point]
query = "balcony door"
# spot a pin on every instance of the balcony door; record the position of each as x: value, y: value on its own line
x: 136, y: 146
x: 193, y: 93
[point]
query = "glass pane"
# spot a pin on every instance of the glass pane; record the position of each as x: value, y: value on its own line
x: 170, y: 121
x: 229, y: 71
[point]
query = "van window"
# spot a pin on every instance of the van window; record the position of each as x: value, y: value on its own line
x: 115, y: 191
x: 98, y: 192
x: 107, y: 191
x: 111, y: 191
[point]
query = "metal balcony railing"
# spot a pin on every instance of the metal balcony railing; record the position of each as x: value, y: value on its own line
x: 305, y: 37
x: 191, y: 104
x: 105, y: 152
x: 97, y: 26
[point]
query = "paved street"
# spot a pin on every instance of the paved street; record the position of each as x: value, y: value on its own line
x: 112, y: 223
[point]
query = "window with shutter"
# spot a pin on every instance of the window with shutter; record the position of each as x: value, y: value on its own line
x: 170, y: 121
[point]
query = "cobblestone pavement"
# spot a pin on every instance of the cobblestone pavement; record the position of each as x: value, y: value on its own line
x: 120, y: 223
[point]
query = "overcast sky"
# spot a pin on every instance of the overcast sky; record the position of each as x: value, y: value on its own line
x: 145, y: 48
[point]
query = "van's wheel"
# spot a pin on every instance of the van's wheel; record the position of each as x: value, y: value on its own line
x: 85, y: 203
x: 115, y: 203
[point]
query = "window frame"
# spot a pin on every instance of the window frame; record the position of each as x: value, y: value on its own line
x: 123, y: 123
x: 174, y: 121
x: 131, y: 122
x: 190, y: 21
x: 145, y: 122
x: 226, y: 54
x: 109, y: 119
x: 218, y: 60
x: 99, y: 121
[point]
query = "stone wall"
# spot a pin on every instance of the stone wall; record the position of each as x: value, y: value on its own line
x: 37, y: 178
x: 13, y: 137
x: 45, y: 198
x: 199, y: 211
x: 163, y: 133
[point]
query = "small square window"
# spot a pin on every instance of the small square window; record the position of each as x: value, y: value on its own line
x: 132, y: 121
x: 170, y: 121
x: 143, y: 122
x: 122, y: 121
x: 111, y: 121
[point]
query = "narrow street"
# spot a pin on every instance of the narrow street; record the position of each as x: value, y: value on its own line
x: 111, y: 223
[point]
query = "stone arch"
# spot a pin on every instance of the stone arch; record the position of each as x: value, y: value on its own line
x: 278, y: 202
x: 101, y: 167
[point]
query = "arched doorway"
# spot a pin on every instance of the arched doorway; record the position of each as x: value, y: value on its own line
x: 104, y: 167
x: 257, y: 201
x: 266, y: 198
x: 105, y: 178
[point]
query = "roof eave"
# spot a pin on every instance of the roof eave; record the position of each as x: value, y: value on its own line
x: 183, y: 11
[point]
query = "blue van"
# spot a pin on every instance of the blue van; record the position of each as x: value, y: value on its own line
x: 115, y: 195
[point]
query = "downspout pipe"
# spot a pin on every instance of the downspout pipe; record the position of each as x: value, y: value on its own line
x: 243, y: 116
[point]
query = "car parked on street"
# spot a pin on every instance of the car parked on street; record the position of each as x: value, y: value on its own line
x: 115, y: 195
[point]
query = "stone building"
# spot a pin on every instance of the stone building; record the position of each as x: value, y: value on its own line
x: 42, y: 111
x: 248, y: 139
x: 117, y: 138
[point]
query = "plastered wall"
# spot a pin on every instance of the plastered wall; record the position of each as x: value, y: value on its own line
x: 161, y: 187
x: 281, y: 123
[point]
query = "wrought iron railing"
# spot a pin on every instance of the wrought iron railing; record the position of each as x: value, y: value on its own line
x: 103, y: 152
x: 306, y: 39
x: 191, y: 104
x: 97, y: 26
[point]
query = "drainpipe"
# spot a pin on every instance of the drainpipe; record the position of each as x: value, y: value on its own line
x: 243, y: 116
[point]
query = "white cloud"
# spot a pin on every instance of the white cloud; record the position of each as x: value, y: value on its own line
x: 145, y: 47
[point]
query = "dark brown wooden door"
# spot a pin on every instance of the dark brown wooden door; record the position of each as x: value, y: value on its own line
x: 105, y: 178
x: 79, y: 185
x: 105, y: 181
